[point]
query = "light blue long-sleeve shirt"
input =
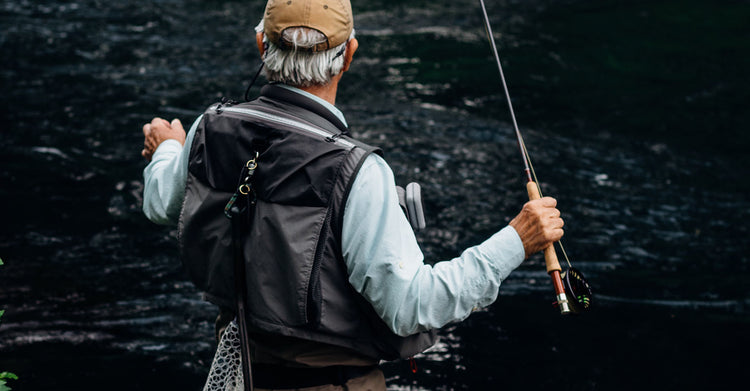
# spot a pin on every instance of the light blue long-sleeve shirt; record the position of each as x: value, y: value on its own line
x: 382, y: 256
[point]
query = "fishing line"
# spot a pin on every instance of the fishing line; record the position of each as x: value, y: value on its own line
x: 528, y: 166
x: 519, y: 138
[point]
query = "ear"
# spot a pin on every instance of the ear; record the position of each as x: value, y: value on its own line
x: 259, y: 41
x: 351, y: 47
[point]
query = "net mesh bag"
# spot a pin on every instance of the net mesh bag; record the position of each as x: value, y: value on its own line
x: 226, y: 369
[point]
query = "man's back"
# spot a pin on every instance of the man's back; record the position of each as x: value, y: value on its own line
x: 296, y: 272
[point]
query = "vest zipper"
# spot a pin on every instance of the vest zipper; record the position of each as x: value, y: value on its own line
x: 327, y: 136
x: 313, y: 288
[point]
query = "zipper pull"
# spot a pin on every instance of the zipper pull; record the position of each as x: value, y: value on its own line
x: 224, y: 102
x: 332, y: 138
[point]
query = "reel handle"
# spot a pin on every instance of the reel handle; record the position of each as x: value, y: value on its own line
x: 550, y: 259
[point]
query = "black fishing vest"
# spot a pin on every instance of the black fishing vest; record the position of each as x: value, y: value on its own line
x: 297, y: 282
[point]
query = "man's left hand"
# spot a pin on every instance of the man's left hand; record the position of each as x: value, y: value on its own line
x: 158, y: 131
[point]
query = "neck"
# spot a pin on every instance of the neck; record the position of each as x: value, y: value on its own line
x: 326, y: 92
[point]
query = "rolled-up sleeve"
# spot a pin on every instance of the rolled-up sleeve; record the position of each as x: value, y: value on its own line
x: 164, y: 179
x: 386, y: 265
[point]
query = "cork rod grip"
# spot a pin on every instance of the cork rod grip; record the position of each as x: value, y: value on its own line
x: 550, y: 256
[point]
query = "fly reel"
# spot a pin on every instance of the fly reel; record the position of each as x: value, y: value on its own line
x: 577, y: 290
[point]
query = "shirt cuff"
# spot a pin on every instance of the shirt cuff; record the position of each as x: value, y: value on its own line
x: 168, y: 146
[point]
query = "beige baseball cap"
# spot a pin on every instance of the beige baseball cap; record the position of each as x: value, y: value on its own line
x: 333, y: 18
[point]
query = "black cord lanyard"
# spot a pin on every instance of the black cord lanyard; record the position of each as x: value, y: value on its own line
x: 235, y: 211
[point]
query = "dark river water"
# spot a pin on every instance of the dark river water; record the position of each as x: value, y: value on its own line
x: 634, y: 113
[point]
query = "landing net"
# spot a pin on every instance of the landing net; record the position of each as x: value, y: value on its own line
x: 226, y: 369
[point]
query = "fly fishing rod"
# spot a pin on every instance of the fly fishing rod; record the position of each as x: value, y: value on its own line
x: 572, y: 291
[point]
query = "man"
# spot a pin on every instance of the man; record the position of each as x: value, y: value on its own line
x: 336, y: 280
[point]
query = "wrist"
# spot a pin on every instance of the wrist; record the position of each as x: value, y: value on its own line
x: 522, y: 230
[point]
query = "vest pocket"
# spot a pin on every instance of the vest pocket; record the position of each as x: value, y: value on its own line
x: 283, y: 278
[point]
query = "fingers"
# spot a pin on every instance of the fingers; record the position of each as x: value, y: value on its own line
x: 176, y: 124
x: 538, y: 224
x: 149, y: 144
x: 146, y: 154
x: 159, y: 122
x: 148, y: 138
x: 553, y: 235
x: 548, y: 202
x: 545, y: 209
x: 150, y: 141
x: 541, y: 205
x: 553, y: 230
x: 159, y: 130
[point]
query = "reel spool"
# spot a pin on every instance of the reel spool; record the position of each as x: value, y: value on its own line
x: 577, y: 289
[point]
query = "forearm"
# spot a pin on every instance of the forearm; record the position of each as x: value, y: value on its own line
x: 450, y: 291
x: 386, y: 265
x: 162, y: 184
x: 423, y: 297
x: 164, y: 180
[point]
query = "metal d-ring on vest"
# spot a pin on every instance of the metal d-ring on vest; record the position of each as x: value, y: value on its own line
x: 245, y: 187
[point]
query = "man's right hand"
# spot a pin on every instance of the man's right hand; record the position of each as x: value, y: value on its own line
x: 538, y: 224
x: 158, y: 131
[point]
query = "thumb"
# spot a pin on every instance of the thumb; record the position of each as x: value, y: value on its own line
x: 176, y: 122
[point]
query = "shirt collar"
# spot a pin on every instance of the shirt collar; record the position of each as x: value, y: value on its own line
x: 323, y: 102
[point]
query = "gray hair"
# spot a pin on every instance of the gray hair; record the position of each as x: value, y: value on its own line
x: 302, y: 68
